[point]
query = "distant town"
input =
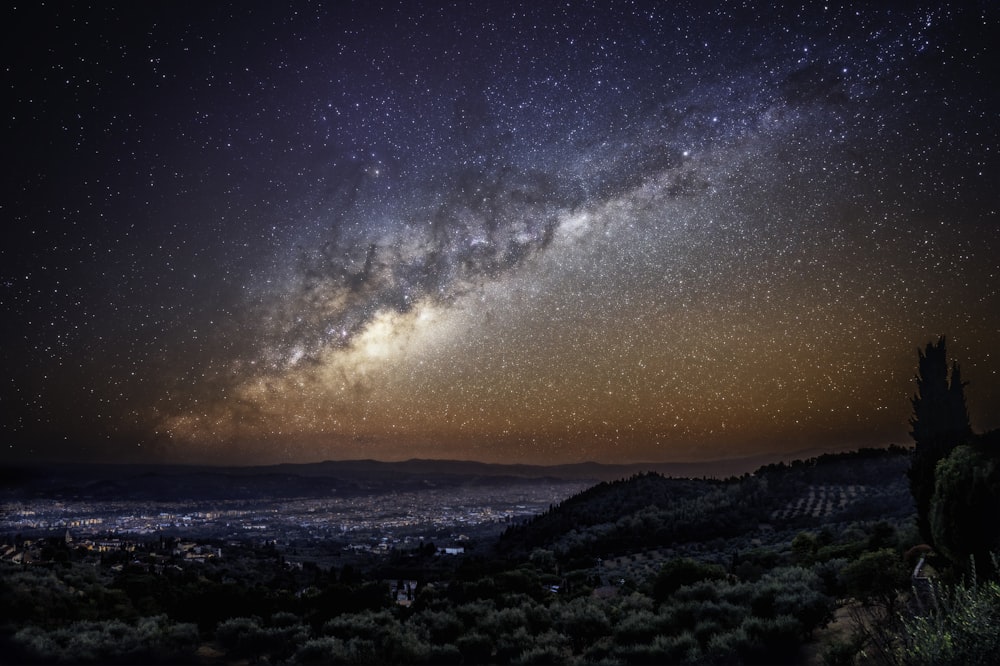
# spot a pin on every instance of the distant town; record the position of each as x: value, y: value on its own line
x: 374, y: 525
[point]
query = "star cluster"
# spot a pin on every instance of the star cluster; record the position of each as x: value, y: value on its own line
x: 541, y: 232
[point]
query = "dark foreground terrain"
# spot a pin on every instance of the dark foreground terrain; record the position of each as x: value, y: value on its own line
x: 768, y: 567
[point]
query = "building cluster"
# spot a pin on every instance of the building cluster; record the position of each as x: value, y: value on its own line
x: 153, y: 555
x: 316, y: 529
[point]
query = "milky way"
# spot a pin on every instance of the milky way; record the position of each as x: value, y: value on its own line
x: 540, y: 232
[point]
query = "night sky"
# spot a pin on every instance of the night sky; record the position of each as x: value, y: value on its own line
x: 539, y: 232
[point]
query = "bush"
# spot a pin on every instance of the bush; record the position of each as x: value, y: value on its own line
x: 548, y: 648
x: 368, y: 625
x: 323, y: 650
x: 441, y: 626
x: 830, y: 572
x: 509, y: 647
x: 684, y: 571
x: 842, y: 652
x: 685, y: 615
x: 963, y: 510
x: 728, y: 647
x: 773, y: 640
x: 582, y: 621
x: 960, y: 630
x: 793, y: 592
x: 875, y: 577
x: 445, y: 654
x: 638, y: 627
x: 475, y: 647
x: 234, y: 634
x: 151, y: 640
x: 662, y: 650
x: 330, y: 650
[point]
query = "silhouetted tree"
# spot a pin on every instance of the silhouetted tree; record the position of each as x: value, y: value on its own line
x: 677, y: 573
x: 963, y: 516
x: 958, y: 412
x: 940, y: 422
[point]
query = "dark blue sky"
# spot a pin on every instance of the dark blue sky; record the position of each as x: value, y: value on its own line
x: 503, y: 231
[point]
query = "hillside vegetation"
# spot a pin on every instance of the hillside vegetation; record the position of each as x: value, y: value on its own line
x: 647, y: 569
x: 649, y: 511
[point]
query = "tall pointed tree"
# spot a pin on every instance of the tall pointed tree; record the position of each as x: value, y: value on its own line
x: 930, y: 403
x: 940, y: 422
x: 958, y: 412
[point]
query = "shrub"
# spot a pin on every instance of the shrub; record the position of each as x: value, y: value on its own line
x: 151, y: 640
x: 548, y: 648
x: 323, y: 650
x: 582, y: 621
x: 330, y: 650
x: 684, y: 571
x: 662, y: 650
x: 875, y: 577
x: 638, y: 627
x: 960, y: 630
x: 727, y: 647
x: 966, y: 497
x: 441, y: 626
x: 445, y: 654
x: 475, y: 647
x: 772, y: 640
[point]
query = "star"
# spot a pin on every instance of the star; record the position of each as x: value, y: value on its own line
x: 623, y: 232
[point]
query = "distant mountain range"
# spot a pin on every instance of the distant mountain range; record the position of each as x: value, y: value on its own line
x: 322, y: 479
x: 585, y: 471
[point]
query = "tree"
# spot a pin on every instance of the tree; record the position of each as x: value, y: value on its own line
x: 940, y: 422
x: 677, y: 573
x: 963, y: 516
x: 876, y: 578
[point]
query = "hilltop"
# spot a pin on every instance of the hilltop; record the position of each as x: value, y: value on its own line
x: 649, y: 511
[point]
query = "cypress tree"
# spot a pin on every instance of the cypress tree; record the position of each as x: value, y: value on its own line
x: 959, y: 428
x: 930, y: 404
x: 940, y: 422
